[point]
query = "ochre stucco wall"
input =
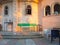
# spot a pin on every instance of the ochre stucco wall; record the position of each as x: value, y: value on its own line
x: 22, y: 17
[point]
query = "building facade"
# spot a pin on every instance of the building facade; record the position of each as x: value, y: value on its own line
x: 50, y: 11
x: 42, y: 12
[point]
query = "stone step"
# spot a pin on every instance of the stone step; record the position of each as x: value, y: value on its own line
x: 20, y: 36
x: 14, y: 35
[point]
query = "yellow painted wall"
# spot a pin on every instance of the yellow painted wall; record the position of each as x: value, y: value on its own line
x: 21, y: 17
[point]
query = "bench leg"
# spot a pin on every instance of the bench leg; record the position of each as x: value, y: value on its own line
x: 59, y: 40
x: 51, y: 39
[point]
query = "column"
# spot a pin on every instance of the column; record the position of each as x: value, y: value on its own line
x: 52, y: 10
x: 14, y: 14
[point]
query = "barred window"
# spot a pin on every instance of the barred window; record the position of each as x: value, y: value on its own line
x: 47, y: 10
x: 57, y: 8
x: 6, y: 10
x: 28, y: 10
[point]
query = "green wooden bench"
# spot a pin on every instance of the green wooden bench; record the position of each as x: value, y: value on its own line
x: 26, y: 24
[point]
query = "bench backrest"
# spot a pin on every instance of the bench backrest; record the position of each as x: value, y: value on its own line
x: 55, y: 33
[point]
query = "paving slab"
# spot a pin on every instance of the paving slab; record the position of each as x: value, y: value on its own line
x: 35, y: 41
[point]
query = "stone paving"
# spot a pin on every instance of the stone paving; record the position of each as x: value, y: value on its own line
x: 36, y: 41
x: 45, y: 41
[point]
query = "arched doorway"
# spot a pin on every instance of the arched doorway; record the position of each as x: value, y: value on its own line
x: 9, y: 26
x: 0, y: 27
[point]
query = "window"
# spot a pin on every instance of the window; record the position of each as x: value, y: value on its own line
x: 57, y: 9
x: 6, y: 10
x: 47, y: 10
x: 28, y: 10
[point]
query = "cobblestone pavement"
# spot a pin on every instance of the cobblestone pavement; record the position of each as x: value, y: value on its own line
x: 36, y: 41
